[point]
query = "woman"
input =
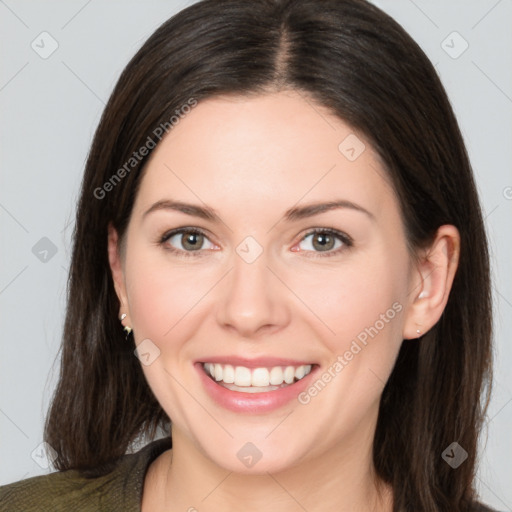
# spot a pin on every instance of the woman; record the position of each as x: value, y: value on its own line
x: 278, y: 214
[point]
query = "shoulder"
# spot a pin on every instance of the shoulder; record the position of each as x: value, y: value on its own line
x: 56, y: 491
x: 121, y: 489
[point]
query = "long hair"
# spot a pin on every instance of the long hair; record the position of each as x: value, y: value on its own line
x: 352, y: 58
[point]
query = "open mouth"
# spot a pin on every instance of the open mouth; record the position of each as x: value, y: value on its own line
x: 255, y: 380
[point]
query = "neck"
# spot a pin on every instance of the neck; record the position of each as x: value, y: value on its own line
x: 342, y: 480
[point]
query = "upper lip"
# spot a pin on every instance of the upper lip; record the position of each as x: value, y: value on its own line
x: 257, y: 362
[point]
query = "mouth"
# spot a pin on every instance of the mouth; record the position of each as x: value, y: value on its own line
x: 258, y: 385
x: 242, y: 379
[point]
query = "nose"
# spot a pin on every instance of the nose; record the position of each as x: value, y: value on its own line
x: 253, y: 302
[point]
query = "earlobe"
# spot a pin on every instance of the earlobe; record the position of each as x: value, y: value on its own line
x: 435, y: 273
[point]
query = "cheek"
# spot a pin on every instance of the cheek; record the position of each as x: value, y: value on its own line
x: 363, y: 310
x: 358, y: 309
x: 153, y: 301
x: 164, y: 296
x: 351, y: 298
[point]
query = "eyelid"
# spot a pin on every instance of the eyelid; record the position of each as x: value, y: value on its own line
x: 184, y: 229
x: 346, y: 240
x: 178, y: 231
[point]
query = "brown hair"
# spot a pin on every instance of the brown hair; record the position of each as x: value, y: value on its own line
x: 348, y: 56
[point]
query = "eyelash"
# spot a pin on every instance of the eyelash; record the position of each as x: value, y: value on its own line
x: 344, y: 238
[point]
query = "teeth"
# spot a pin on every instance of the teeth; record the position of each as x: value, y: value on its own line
x: 289, y: 374
x: 252, y: 389
x: 276, y: 376
x: 218, y: 372
x: 260, y: 377
x: 240, y: 376
x: 228, y: 374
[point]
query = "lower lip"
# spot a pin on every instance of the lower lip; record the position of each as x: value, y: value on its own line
x: 255, y: 403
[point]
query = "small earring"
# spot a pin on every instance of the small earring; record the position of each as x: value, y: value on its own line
x: 126, y: 328
x: 418, y: 331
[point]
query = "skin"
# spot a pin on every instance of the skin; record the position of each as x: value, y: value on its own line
x: 251, y: 159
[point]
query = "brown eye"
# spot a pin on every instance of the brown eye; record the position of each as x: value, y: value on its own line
x: 192, y: 241
x: 325, y: 241
x: 187, y: 240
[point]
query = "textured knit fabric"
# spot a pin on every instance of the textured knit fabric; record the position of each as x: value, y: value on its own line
x: 67, y: 491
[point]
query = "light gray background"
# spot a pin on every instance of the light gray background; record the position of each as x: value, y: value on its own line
x: 50, y: 108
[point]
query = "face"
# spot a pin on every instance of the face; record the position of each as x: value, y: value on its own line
x: 299, y: 309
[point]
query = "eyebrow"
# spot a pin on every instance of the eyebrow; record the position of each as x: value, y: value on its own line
x: 301, y: 212
x: 203, y: 212
x: 293, y: 214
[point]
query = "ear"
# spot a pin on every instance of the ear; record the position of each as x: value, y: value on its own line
x: 116, y: 267
x: 432, y: 281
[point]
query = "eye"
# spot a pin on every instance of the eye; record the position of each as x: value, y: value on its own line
x: 192, y: 241
x: 327, y: 241
x: 186, y: 241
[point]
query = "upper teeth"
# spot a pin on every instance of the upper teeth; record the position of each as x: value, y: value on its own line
x: 260, y: 377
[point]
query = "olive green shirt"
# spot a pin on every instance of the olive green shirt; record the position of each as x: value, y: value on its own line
x: 67, y: 491
x: 119, y: 490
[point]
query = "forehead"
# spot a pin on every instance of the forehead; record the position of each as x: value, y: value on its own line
x: 281, y: 148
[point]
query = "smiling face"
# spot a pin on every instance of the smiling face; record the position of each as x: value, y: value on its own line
x: 238, y: 283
